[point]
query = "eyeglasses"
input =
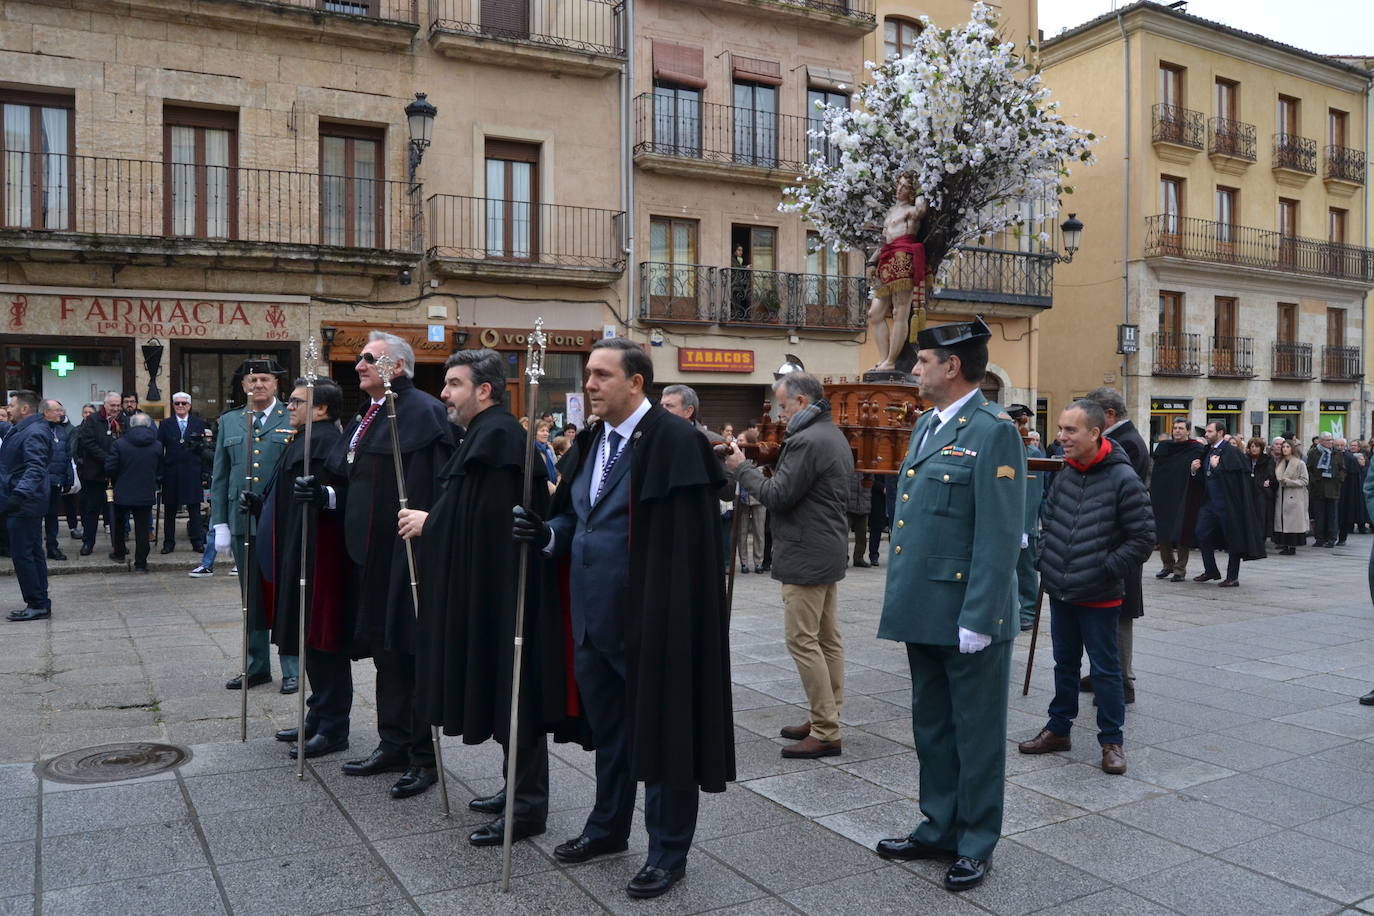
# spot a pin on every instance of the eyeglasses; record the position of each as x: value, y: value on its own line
x: 295, y: 402
x: 181, y: 403
x: 367, y: 358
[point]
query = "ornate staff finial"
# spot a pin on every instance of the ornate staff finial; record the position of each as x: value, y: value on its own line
x: 536, y: 344
x: 386, y: 368
x: 312, y: 360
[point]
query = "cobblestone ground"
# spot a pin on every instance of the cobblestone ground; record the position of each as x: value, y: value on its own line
x: 1249, y: 789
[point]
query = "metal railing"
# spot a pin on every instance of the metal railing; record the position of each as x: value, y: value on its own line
x: 859, y: 10
x: 516, y: 232
x: 592, y: 26
x: 1226, y: 137
x: 1208, y: 240
x: 1232, y: 357
x: 669, y: 126
x: 1345, y: 164
x: 1177, y: 125
x: 1341, y: 364
x: 394, y: 10
x: 138, y: 198
x: 697, y: 293
x: 1296, y: 153
x: 999, y: 275
x: 1177, y: 353
x: 1292, y: 361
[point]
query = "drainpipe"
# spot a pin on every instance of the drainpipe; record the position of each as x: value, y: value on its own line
x: 1125, y: 199
x: 1364, y: 298
x: 627, y: 168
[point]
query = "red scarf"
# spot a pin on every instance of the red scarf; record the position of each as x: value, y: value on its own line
x: 1103, y: 451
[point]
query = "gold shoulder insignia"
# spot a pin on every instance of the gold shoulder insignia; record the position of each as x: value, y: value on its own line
x: 1007, y: 471
x: 1004, y: 416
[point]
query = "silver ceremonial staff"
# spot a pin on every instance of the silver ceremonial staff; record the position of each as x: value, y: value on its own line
x: 246, y: 572
x: 312, y: 357
x: 386, y: 368
x: 534, y: 371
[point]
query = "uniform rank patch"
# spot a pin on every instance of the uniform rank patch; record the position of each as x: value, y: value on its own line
x: 1007, y: 471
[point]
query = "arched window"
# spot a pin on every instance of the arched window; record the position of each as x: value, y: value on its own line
x: 898, y: 36
x: 992, y: 388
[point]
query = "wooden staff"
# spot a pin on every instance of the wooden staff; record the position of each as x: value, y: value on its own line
x: 311, y: 360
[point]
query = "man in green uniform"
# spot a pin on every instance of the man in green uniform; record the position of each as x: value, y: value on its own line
x: 228, y: 513
x: 1027, y: 577
x: 951, y: 597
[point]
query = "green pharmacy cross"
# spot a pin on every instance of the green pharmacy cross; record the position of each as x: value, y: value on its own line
x: 61, y: 365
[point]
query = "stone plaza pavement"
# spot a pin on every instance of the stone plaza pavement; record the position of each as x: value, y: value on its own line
x: 1250, y: 788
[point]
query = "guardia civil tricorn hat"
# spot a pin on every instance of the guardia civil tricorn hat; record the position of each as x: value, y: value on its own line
x: 951, y: 336
x: 260, y: 365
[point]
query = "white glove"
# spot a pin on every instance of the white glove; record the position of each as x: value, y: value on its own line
x: 970, y: 642
x: 221, y: 538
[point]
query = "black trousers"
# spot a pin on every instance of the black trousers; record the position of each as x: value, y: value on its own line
x: 1325, y: 514
x: 670, y: 815
x: 1211, y: 533
x: 331, y: 693
x: 94, y: 507
x: 52, y: 523
x: 399, y: 723
x: 531, y: 779
x: 143, y: 523
x: 194, y: 531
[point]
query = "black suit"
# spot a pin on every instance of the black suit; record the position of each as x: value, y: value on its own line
x: 181, y: 473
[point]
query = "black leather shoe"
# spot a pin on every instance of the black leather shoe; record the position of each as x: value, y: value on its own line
x: 491, y: 804
x: 254, y: 680
x: 168, y: 548
x: 379, y: 761
x: 584, y: 848
x: 319, y: 745
x: 967, y: 873
x: 290, y: 685
x: 118, y: 557
x: 1177, y: 577
x: 1163, y: 573
x: 29, y: 613
x: 861, y: 563
x: 653, y: 882
x: 1366, y: 700
x: 905, y: 849
x: 1085, y: 683
x: 289, y: 734
x: 758, y: 568
x: 494, y: 833
x: 86, y: 551
x: 56, y: 555
x: 414, y: 780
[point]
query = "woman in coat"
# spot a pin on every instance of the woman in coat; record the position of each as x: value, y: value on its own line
x: 1262, y: 473
x: 1290, y: 517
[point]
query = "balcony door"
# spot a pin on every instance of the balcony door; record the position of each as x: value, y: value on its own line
x: 1286, y: 115
x: 506, y: 18
x: 1288, y: 231
x: 1170, y: 350
x: 1224, y: 343
x: 512, y: 200
x: 815, y: 121
x: 200, y: 149
x: 1338, y: 362
x: 756, y: 124
x: 1228, y: 200
x: 673, y: 268
x: 38, y: 164
x: 760, y: 284
x: 1227, y: 99
x: 1337, y: 127
x: 1288, y: 362
x: 677, y: 120
x: 826, y: 287
x: 351, y: 190
x: 1171, y: 209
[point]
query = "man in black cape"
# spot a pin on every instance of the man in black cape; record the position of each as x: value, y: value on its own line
x: 1352, y: 501
x: 327, y: 666
x: 1227, y: 517
x: 468, y: 595
x: 1175, y: 495
x: 636, y: 514
x: 362, y: 487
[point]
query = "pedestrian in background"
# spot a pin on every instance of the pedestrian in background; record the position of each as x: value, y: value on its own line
x: 1175, y: 497
x: 24, y: 500
x: 859, y: 508
x: 1227, y: 517
x: 182, y: 439
x: 753, y: 517
x: 1326, y: 475
x: 1027, y: 576
x: 1264, y: 482
x: 94, y: 440
x: 135, y: 466
x: 61, y: 477
x: 1290, y: 517
x: 877, y: 516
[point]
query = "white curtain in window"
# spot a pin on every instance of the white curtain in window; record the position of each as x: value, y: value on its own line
x: 496, y: 208
x: 217, y: 202
x: 332, y: 171
x: 55, y: 163
x: 365, y: 193
x: 183, y: 142
x: 18, y: 167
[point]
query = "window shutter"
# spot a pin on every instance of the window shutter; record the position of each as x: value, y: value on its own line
x: 830, y: 79
x: 753, y: 70
x: 682, y: 65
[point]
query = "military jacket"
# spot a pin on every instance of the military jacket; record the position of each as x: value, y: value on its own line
x: 956, y: 534
x: 231, y: 451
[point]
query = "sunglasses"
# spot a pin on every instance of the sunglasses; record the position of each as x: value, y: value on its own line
x: 181, y: 403
x: 368, y: 358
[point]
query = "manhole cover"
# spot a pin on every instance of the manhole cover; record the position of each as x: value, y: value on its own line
x: 113, y: 762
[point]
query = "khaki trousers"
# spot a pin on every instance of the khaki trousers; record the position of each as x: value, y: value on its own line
x: 1125, y: 646
x: 813, y: 639
x: 1174, y: 559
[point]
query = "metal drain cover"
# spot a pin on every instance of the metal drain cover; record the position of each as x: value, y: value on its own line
x: 113, y: 762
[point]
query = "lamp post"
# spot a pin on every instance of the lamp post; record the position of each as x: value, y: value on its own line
x: 152, y: 361
x: 460, y: 339
x: 327, y: 332
x: 1072, y: 231
x: 420, y: 117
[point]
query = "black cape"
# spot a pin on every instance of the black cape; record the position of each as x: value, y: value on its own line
x: 468, y: 595
x: 1175, y: 493
x: 1125, y: 435
x: 1242, y: 526
x: 279, y: 551
x: 677, y: 625
x: 1352, y: 499
x: 383, y: 614
x: 1262, y: 473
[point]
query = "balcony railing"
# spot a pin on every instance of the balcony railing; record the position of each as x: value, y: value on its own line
x: 1177, y: 353
x: 1226, y: 137
x: 1292, y: 361
x: 1341, y: 364
x: 592, y: 26
x: 670, y: 126
x: 136, y: 198
x: 1345, y: 164
x: 1207, y: 240
x: 696, y: 293
x: 998, y: 275
x: 1180, y: 126
x: 515, y: 232
x: 394, y: 10
x: 1232, y: 357
x: 860, y: 10
x: 1295, y: 153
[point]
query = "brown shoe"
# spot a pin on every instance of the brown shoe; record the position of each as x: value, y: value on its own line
x: 1047, y: 742
x: 1113, y: 759
x: 809, y: 748
x: 795, y: 732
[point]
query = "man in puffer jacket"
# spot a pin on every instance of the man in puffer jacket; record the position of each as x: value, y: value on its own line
x: 1098, y: 524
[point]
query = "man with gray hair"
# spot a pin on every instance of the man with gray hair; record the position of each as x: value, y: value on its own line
x: 135, y: 466
x: 807, y: 499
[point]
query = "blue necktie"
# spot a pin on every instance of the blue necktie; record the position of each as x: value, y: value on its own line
x: 613, y: 446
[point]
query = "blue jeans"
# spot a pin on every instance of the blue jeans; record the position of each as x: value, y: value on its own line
x: 1074, y: 628
x: 207, y: 559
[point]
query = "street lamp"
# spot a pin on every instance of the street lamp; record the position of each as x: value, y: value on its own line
x: 1072, y: 230
x: 152, y: 361
x: 420, y: 116
x: 328, y: 331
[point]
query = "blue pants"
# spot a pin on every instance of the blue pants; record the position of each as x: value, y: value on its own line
x: 1028, y: 579
x: 30, y: 566
x: 1074, y: 628
x: 1211, y: 533
x: 207, y: 559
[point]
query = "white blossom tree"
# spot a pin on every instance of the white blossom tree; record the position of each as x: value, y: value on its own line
x: 969, y: 117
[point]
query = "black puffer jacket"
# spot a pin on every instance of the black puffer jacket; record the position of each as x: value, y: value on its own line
x: 1097, y: 525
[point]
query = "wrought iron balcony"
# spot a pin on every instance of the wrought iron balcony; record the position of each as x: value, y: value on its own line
x: 1341, y: 364
x: 705, y: 132
x: 394, y: 10
x: 1292, y: 361
x: 1000, y: 276
x: 1176, y: 125
x: 700, y: 294
x: 1226, y: 137
x: 1232, y: 357
x: 1345, y: 164
x: 1297, y: 154
x: 1207, y: 240
x: 1177, y: 353
x: 588, y: 26
x: 861, y: 10
x: 54, y: 200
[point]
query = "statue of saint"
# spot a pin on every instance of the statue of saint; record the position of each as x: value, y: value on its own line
x: 895, y: 271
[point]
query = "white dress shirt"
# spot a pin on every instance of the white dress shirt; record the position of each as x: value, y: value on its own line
x: 603, y: 452
x: 947, y: 414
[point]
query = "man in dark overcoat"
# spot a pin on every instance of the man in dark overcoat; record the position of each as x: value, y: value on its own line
x: 1175, y: 496
x: 182, y: 436
x: 1227, y: 517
